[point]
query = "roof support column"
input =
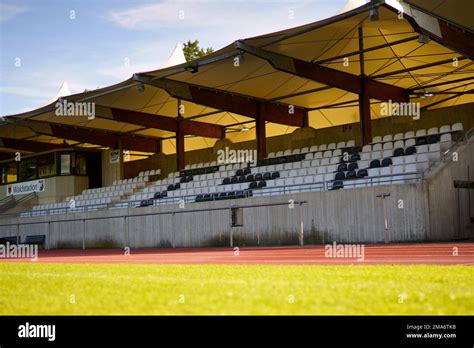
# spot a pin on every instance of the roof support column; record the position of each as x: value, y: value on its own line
x: 364, y: 97
x: 180, y: 162
x: 261, y: 135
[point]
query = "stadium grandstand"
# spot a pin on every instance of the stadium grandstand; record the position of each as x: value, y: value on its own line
x: 355, y: 128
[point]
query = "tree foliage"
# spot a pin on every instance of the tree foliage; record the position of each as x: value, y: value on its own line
x: 192, y: 50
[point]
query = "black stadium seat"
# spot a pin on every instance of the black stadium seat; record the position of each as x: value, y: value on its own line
x: 355, y: 157
x: 352, y: 166
x: 421, y: 141
x: 258, y: 177
x: 207, y: 197
x: 340, y: 176
x: 342, y: 167
x: 433, y: 138
x: 10, y: 240
x: 336, y: 185
x: 361, y: 173
x: 157, y: 195
x: 262, y: 184
x: 239, y: 172
x: 250, y: 178
x: 398, y: 152
x: 199, y: 198
x: 253, y: 185
x: 374, y: 163
x: 275, y: 175
x: 410, y: 150
x: 171, y: 187
x: 234, y: 180
x: 223, y: 195
x: 246, y: 171
x: 267, y: 176
x: 386, y: 162
x: 242, y: 178
x: 164, y: 194
x: 231, y: 194
x: 240, y: 194
x: 177, y: 186
x: 226, y: 181
x: 351, y: 174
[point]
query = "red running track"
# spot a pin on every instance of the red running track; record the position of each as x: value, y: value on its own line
x: 374, y: 254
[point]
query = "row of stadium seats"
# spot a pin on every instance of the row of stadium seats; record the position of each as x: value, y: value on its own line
x: 395, y: 158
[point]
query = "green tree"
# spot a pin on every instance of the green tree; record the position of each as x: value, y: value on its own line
x: 192, y: 50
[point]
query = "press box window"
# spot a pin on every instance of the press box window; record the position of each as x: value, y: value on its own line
x: 237, y: 216
x: 28, y: 169
x: 46, y: 165
x: 65, y: 164
x: 9, y: 172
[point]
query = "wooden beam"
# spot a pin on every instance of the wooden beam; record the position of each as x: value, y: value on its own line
x: 93, y: 136
x: 29, y: 145
x: 328, y: 76
x: 237, y: 103
x: 364, y: 97
x: 170, y: 124
x: 180, y: 150
x: 261, y: 136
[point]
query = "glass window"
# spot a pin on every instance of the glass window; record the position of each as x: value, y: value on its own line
x: 28, y: 169
x: 46, y: 165
x: 9, y: 172
x: 65, y: 163
x: 81, y: 164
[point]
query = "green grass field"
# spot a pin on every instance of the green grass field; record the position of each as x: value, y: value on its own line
x: 228, y: 289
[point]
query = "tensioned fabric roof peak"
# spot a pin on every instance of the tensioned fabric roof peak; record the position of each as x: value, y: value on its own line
x: 313, y: 70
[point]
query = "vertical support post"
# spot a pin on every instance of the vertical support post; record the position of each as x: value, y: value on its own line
x: 261, y: 135
x: 120, y: 149
x: 179, y: 141
x: 364, y: 98
x: 83, y: 234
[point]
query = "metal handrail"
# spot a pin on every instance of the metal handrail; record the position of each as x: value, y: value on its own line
x: 287, y: 189
x: 448, y: 153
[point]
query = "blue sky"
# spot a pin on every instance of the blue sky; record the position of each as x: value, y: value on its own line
x: 44, y: 43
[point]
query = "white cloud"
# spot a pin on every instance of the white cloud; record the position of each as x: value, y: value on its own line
x: 8, y: 11
x: 218, y: 23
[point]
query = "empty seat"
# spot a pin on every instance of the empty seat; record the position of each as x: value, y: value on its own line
x: 352, y: 166
x: 398, y: 143
x: 361, y: 173
x: 366, y: 148
x: 340, y: 145
x: 386, y: 162
x: 410, y: 150
x: 398, y: 160
x: 350, y: 143
x: 433, y: 130
x: 422, y: 149
x: 304, y: 150
x: 351, y: 174
x: 340, y: 176
x: 336, y: 185
x: 332, y: 146
x: 377, y: 147
x: 457, y: 127
x: 322, y: 148
x: 446, y: 137
x: 374, y: 163
x: 410, y: 142
x: 444, y: 129
x: 398, y: 152
x: 355, y: 157
x: 420, y: 133
x: 421, y: 140
x: 377, y: 139
x: 313, y: 148
x: 433, y: 138
x: 387, y: 146
x: 295, y: 151
x: 387, y: 137
x: 398, y: 136
x: 342, y: 167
